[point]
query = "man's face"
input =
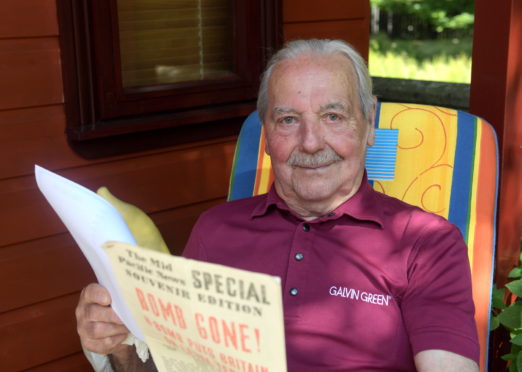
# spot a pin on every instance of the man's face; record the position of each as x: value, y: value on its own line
x: 316, y: 132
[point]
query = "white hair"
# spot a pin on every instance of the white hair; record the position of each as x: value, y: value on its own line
x: 319, y: 47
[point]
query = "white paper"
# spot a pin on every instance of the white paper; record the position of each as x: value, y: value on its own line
x: 92, y: 221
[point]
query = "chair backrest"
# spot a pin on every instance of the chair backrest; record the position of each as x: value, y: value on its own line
x: 445, y: 161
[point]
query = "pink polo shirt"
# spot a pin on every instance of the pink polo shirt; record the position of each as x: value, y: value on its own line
x: 365, y: 287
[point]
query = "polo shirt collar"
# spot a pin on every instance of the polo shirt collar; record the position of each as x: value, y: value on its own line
x: 363, y: 205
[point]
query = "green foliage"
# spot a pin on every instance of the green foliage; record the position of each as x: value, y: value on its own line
x: 507, y: 312
x: 426, y: 6
x: 515, y: 273
x: 517, y: 340
x: 515, y: 287
x: 434, y: 60
x: 511, y: 317
x: 422, y: 50
x: 442, y: 14
x: 456, y: 22
x: 498, y: 297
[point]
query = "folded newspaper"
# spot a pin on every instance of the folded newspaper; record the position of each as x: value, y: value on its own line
x: 194, y: 316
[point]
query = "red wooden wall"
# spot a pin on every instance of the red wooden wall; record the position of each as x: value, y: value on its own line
x: 496, y: 95
x: 339, y: 19
x: 41, y: 269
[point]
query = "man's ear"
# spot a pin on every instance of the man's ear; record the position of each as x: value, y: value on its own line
x: 371, y: 122
x: 267, y: 148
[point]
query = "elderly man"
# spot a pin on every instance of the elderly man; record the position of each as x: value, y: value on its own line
x: 369, y: 282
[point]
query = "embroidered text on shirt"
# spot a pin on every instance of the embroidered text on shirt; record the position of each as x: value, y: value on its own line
x: 358, y: 295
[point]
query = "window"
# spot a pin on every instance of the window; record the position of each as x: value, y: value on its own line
x: 421, y: 51
x: 163, y: 42
x: 138, y: 65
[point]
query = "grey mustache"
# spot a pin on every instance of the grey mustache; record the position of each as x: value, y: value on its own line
x: 317, y: 159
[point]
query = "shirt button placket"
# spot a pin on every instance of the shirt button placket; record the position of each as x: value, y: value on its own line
x: 296, y: 270
x: 300, y: 256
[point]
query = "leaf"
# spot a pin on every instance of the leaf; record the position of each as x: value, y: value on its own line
x: 494, y: 323
x: 515, y: 273
x: 517, y: 340
x: 515, y: 287
x: 511, y: 317
x: 519, y: 361
x: 498, y: 298
x: 513, y: 367
x: 507, y: 357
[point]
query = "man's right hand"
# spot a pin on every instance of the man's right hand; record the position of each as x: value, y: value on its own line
x: 100, y: 329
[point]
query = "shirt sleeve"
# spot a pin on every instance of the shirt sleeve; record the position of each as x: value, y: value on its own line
x: 194, y: 248
x: 437, y: 305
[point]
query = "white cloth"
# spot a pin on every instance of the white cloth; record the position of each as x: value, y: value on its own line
x: 101, y: 363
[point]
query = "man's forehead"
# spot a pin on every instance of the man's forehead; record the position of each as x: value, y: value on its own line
x: 338, y: 106
x: 303, y: 61
x: 329, y: 82
x: 335, y: 105
x: 335, y: 66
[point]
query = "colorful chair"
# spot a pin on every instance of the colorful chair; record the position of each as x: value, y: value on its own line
x: 442, y: 160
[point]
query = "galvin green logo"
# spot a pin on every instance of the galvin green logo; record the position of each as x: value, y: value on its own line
x: 358, y: 295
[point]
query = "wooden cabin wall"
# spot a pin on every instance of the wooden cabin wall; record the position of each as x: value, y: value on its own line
x: 339, y: 19
x: 496, y: 95
x: 41, y: 269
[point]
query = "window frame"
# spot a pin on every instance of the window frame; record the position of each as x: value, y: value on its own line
x: 96, y: 104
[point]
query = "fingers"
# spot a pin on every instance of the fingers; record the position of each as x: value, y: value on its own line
x: 100, y: 329
x: 95, y: 329
x: 105, y: 346
x: 95, y: 293
x: 94, y: 305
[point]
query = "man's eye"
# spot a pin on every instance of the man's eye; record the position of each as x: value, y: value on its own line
x: 333, y: 117
x: 287, y: 120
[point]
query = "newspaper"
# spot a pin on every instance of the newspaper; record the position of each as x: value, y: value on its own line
x: 198, y: 316
x: 194, y: 316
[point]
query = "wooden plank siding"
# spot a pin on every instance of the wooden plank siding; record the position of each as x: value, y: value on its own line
x: 152, y: 182
x: 30, y: 72
x: 74, y: 362
x: 28, y: 18
x: 38, y: 333
x: 339, y: 19
x: 41, y: 269
x: 330, y: 29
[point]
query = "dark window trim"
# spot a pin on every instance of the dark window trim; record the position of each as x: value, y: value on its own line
x: 91, y: 112
x: 451, y: 95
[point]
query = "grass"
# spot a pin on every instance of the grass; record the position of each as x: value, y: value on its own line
x: 434, y: 60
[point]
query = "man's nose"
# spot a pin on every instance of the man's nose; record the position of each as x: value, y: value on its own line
x: 312, y: 136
